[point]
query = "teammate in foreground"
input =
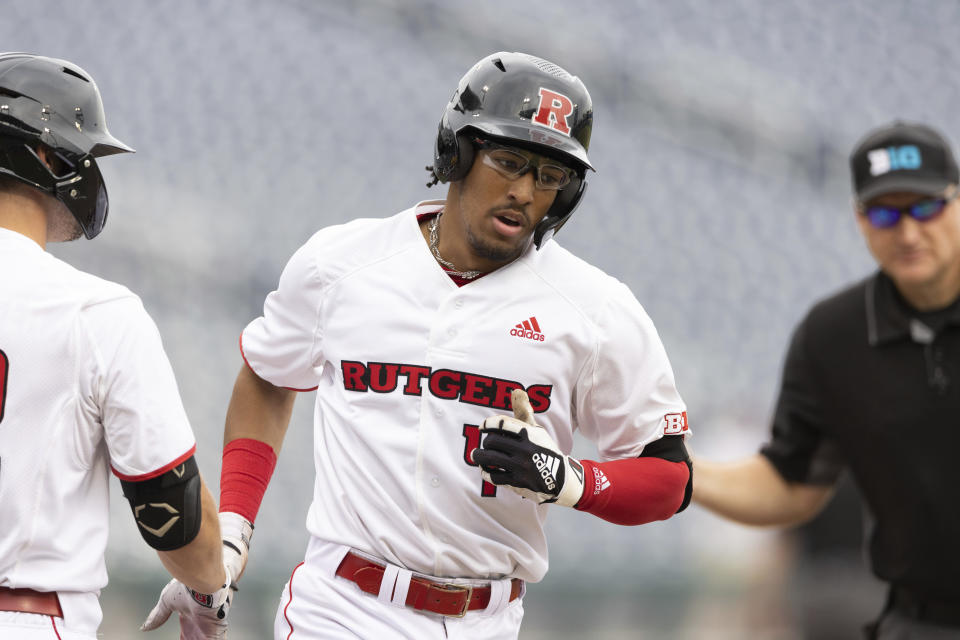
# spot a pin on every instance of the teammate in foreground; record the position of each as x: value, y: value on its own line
x: 85, y: 386
x: 422, y: 333
x: 872, y: 384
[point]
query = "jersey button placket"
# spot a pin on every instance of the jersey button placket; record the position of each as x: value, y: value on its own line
x: 450, y: 340
x: 452, y: 319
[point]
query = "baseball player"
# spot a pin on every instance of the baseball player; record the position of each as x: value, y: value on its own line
x: 455, y: 349
x: 85, y: 386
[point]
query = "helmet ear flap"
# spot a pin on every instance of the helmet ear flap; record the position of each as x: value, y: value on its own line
x: 85, y: 195
x: 560, y: 211
x: 465, y: 152
x: 454, y: 155
x: 80, y: 187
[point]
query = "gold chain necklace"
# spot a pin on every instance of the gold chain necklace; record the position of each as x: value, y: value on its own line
x: 434, y: 242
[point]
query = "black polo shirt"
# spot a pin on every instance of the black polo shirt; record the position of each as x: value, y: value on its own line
x: 873, y: 386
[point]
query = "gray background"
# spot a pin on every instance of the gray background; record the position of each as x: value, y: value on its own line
x: 721, y: 198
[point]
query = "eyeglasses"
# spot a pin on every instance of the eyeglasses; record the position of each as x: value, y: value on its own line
x: 885, y: 216
x: 512, y: 163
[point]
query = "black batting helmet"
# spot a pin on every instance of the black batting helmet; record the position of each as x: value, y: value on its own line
x: 524, y: 101
x: 57, y: 103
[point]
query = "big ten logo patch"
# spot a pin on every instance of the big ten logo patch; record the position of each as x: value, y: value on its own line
x: 894, y: 159
x: 675, y: 424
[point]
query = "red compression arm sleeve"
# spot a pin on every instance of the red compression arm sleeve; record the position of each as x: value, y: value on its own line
x: 633, y: 491
x: 244, y: 475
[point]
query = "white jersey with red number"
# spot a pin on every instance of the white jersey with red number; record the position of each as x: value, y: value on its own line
x: 84, y: 386
x: 407, y: 365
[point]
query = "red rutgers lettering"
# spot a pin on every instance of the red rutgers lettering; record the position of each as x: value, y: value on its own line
x: 469, y: 388
x: 445, y: 384
x: 554, y: 110
x: 353, y: 375
x: 383, y: 377
x: 476, y: 390
x: 539, y: 395
x: 414, y: 374
x: 4, y: 368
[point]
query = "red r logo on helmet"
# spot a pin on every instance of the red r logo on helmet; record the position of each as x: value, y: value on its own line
x: 554, y: 110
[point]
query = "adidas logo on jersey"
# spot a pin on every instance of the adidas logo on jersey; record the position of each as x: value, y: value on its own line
x: 600, y: 481
x: 528, y: 329
x: 548, y: 466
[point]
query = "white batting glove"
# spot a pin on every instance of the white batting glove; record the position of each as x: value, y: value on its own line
x: 204, y: 616
x: 199, y: 618
x: 520, y: 454
x: 236, y: 532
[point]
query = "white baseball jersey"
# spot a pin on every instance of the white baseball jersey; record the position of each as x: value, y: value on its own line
x: 407, y: 365
x: 84, y: 386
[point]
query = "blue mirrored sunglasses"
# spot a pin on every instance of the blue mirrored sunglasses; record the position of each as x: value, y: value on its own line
x: 885, y: 216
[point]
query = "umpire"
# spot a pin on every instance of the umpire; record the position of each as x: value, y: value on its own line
x: 871, y: 384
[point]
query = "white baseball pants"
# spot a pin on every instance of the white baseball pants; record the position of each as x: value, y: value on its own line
x: 318, y: 605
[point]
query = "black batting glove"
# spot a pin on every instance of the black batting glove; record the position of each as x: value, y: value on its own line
x: 518, y: 453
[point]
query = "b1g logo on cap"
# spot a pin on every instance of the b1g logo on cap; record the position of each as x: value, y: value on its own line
x: 894, y: 159
x: 554, y: 111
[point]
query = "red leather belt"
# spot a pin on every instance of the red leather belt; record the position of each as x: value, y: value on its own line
x: 446, y: 599
x: 29, y: 601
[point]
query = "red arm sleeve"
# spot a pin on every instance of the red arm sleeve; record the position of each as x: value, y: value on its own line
x: 633, y: 491
x: 244, y: 476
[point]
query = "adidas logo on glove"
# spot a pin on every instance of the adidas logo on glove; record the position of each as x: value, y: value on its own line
x: 547, y: 465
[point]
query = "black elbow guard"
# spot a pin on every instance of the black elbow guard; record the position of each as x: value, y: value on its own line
x: 672, y: 448
x: 167, y: 508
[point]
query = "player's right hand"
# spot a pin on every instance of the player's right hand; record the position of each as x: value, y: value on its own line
x: 204, y: 616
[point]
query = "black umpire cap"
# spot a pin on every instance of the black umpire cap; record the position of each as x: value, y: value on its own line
x: 902, y: 156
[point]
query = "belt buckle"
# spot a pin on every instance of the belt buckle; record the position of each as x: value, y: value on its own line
x: 466, y: 602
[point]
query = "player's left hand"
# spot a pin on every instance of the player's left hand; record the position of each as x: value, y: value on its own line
x: 520, y: 454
